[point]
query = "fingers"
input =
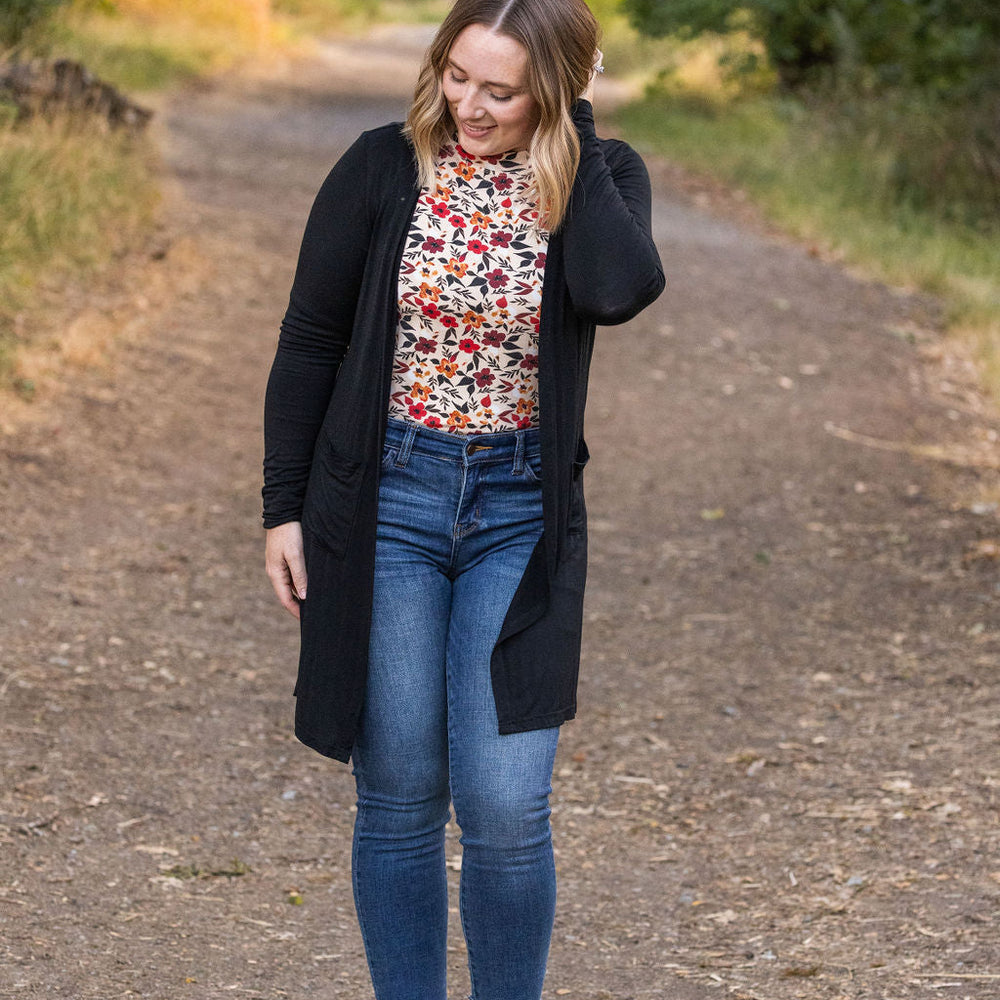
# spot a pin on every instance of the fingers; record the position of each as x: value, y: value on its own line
x: 285, y: 563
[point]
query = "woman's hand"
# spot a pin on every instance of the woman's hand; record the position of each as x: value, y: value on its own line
x: 588, y: 94
x: 285, y: 563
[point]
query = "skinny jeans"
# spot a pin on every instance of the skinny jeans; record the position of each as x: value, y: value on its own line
x: 458, y: 517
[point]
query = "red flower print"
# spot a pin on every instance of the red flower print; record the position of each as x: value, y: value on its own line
x: 469, y: 292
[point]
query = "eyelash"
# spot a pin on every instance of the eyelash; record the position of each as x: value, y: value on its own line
x: 496, y: 97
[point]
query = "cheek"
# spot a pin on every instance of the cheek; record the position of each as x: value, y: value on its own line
x: 525, y: 115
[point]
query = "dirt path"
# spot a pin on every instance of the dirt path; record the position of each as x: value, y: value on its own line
x: 784, y: 779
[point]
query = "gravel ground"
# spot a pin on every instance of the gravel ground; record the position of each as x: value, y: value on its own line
x: 783, y: 780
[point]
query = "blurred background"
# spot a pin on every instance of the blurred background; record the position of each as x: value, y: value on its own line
x: 870, y: 129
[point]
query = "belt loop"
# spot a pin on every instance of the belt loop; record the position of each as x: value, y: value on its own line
x: 403, y: 455
x: 518, y: 453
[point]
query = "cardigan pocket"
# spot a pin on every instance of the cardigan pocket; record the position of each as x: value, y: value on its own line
x: 577, y: 507
x: 332, y: 500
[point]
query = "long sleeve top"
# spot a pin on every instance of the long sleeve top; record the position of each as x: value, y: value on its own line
x: 327, y: 404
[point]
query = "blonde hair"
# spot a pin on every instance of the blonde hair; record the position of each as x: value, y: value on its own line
x: 560, y: 38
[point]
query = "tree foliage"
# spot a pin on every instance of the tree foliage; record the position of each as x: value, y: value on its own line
x: 948, y: 47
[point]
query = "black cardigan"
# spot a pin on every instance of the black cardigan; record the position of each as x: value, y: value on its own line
x: 327, y: 401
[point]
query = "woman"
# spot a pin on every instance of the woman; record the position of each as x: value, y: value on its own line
x: 423, y: 463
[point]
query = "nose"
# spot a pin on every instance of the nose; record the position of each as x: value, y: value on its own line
x: 469, y: 105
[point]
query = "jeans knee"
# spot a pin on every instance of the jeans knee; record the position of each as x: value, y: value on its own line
x: 503, y: 820
x: 392, y: 802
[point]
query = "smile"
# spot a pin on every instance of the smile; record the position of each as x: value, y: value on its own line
x: 476, y: 131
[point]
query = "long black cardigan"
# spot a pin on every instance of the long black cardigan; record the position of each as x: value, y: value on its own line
x: 327, y: 400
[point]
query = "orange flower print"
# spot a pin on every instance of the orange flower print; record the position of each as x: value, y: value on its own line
x: 470, y: 285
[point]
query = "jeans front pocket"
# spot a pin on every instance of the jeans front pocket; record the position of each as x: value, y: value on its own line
x: 533, y: 468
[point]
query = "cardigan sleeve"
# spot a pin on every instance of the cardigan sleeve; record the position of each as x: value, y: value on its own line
x: 315, y: 332
x: 613, y: 270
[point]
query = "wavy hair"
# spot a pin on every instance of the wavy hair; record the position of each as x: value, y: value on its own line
x: 560, y: 38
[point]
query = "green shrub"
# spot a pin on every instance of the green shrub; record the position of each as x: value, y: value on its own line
x: 19, y: 18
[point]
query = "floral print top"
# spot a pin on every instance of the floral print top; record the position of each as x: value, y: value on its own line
x: 470, y: 294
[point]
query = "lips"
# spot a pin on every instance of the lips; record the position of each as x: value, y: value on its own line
x: 476, y: 132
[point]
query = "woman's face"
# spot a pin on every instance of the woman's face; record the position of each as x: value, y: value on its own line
x: 486, y: 86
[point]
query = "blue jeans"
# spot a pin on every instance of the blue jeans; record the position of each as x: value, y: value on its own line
x: 458, y: 519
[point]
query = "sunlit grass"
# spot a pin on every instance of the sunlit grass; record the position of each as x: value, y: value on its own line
x: 837, y: 193
x: 149, y: 44
x: 317, y: 17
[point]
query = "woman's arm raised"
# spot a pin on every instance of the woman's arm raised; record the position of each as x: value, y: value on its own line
x: 612, y: 267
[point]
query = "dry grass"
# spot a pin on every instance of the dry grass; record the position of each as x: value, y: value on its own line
x: 75, y: 198
x: 72, y: 198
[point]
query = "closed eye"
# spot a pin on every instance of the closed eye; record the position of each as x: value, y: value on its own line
x: 496, y: 97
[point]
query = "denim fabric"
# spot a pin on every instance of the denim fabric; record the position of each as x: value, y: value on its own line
x: 458, y: 518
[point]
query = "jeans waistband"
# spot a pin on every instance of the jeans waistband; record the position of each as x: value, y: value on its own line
x: 506, y: 446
